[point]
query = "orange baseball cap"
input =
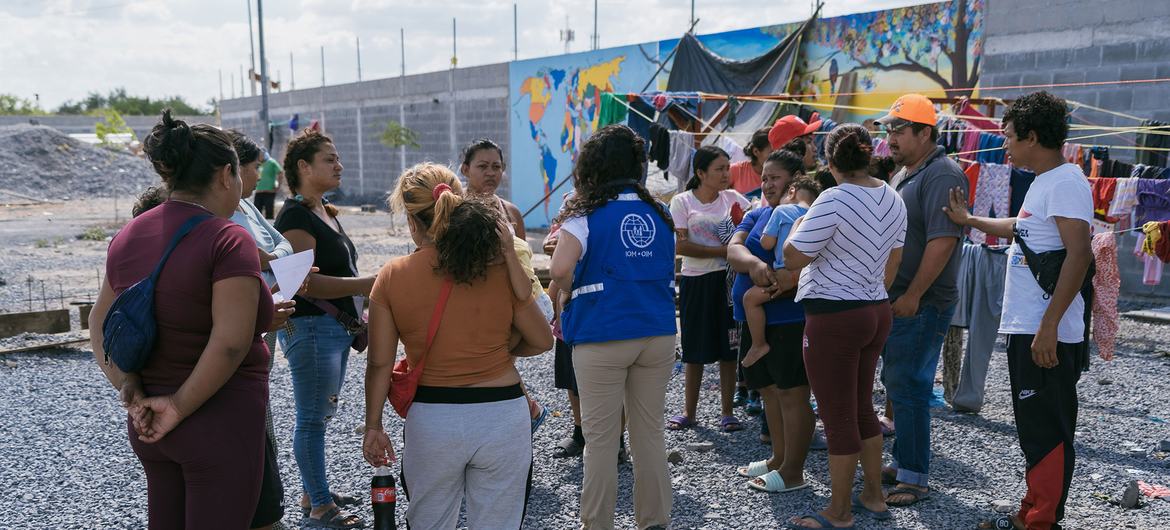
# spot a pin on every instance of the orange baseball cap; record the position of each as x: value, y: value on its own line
x: 911, y: 108
x: 789, y: 128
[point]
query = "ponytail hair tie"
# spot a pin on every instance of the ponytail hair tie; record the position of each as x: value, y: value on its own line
x: 438, y: 191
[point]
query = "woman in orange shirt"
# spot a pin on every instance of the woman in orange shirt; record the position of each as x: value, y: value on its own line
x: 468, y: 433
x: 745, y: 175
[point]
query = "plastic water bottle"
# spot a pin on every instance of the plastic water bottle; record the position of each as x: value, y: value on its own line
x: 383, y: 496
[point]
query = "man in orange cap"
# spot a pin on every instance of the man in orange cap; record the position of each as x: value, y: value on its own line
x: 924, y: 293
x: 790, y: 129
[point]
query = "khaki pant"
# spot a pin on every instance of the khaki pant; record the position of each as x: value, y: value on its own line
x: 632, y: 373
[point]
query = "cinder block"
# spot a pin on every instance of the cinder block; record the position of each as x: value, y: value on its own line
x: 1119, y: 53
x: 1088, y: 56
x: 1119, y: 100
x: 1052, y: 59
x: 1154, y: 50
x: 1036, y: 78
x: 1019, y: 62
x: 1071, y: 75
x: 1150, y: 97
x: 1103, y: 73
x: 1138, y: 72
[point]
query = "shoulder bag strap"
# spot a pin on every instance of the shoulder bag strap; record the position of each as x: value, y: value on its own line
x: 437, y: 316
x: 183, y: 231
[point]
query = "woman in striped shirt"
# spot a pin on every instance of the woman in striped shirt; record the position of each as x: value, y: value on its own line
x: 849, y: 244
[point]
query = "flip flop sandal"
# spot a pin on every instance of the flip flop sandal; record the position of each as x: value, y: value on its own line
x: 916, y: 494
x: 537, y: 421
x: 340, y: 500
x: 569, y: 447
x: 754, y: 469
x: 334, y: 518
x: 819, y: 519
x: 730, y: 424
x: 774, y: 483
x: 679, y: 422
x: 859, y: 507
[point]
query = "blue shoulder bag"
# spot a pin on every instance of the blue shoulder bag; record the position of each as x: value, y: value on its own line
x: 128, y: 331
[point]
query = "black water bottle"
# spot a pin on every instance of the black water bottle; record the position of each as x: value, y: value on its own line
x: 382, y: 497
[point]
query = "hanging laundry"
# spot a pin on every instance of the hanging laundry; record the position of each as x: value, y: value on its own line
x: 1021, y: 181
x: 992, y: 195
x: 641, y: 115
x: 1162, y: 247
x: 991, y: 148
x: 1106, y: 287
x: 1124, y: 198
x: 1152, y: 267
x: 612, y: 110
x: 972, y: 173
x: 1069, y: 151
x: 970, y: 144
x: 982, y: 271
x: 660, y: 146
x: 682, y: 150
x: 1153, y: 233
x: 1153, y: 198
x: 1154, y: 139
x: 733, y: 149
x: 975, y: 118
x: 881, y: 147
x: 1103, y: 191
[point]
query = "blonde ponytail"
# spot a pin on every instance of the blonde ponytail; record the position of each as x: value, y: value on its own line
x: 415, y: 195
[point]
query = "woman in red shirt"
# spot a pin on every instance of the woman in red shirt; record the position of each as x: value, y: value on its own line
x: 745, y: 175
x: 196, y: 410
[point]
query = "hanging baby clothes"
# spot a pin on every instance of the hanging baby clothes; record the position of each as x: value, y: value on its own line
x: 992, y: 195
x: 1153, y: 233
x: 682, y: 150
x: 1106, y: 286
x: 1152, y: 267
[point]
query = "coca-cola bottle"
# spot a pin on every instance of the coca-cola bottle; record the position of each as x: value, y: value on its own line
x: 383, y: 496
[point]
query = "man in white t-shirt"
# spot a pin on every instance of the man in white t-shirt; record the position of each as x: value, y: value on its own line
x: 1045, y: 330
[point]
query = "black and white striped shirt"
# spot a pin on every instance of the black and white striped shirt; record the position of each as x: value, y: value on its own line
x: 849, y: 231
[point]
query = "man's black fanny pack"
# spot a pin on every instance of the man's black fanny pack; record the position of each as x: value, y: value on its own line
x: 1045, y: 267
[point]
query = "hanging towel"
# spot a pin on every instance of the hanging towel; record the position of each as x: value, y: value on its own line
x: 612, y: 111
x: 1124, y: 198
x: 682, y: 150
x: 639, y: 118
x: 1106, y: 286
x: 992, y: 196
x: 972, y: 173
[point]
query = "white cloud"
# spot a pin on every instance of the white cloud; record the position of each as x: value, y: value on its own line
x: 63, y: 49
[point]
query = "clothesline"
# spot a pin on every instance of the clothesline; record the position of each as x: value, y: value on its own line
x: 980, y: 89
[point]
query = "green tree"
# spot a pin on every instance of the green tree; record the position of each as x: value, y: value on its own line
x: 124, y: 103
x: 10, y: 104
x: 397, y: 135
x: 111, y: 124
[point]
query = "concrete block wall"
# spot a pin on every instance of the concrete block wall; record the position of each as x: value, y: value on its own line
x: 446, y: 110
x: 1037, y: 42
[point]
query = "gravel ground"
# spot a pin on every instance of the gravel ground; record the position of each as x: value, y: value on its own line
x: 43, y: 162
x: 65, y: 461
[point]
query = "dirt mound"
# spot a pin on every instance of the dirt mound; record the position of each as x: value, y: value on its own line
x: 43, y: 162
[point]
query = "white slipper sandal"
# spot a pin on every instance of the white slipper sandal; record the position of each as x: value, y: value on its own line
x: 774, y: 483
x: 753, y: 469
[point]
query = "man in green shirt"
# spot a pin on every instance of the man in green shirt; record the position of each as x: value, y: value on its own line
x: 271, y: 178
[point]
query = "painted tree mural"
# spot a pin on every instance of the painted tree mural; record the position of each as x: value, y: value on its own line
x: 942, y: 41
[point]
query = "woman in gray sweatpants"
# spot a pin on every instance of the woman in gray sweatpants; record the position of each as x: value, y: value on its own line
x: 464, y: 301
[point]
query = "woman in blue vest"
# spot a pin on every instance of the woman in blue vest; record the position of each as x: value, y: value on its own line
x: 616, y: 251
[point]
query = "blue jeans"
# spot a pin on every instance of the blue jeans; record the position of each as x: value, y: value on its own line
x: 317, y: 348
x: 909, y: 363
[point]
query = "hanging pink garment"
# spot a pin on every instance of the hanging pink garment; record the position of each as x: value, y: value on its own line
x: 1106, y: 286
x: 1152, y: 272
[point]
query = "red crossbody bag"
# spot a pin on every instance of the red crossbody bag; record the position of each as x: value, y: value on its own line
x: 404, y: 379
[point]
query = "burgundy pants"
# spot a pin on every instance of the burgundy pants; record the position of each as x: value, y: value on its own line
x: 841, y: 351
x: 206, y: 473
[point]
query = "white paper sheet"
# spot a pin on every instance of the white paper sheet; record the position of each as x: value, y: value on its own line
x: 290, y: 272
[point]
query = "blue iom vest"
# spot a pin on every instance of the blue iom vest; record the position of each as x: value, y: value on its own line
x: 623, y: 287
